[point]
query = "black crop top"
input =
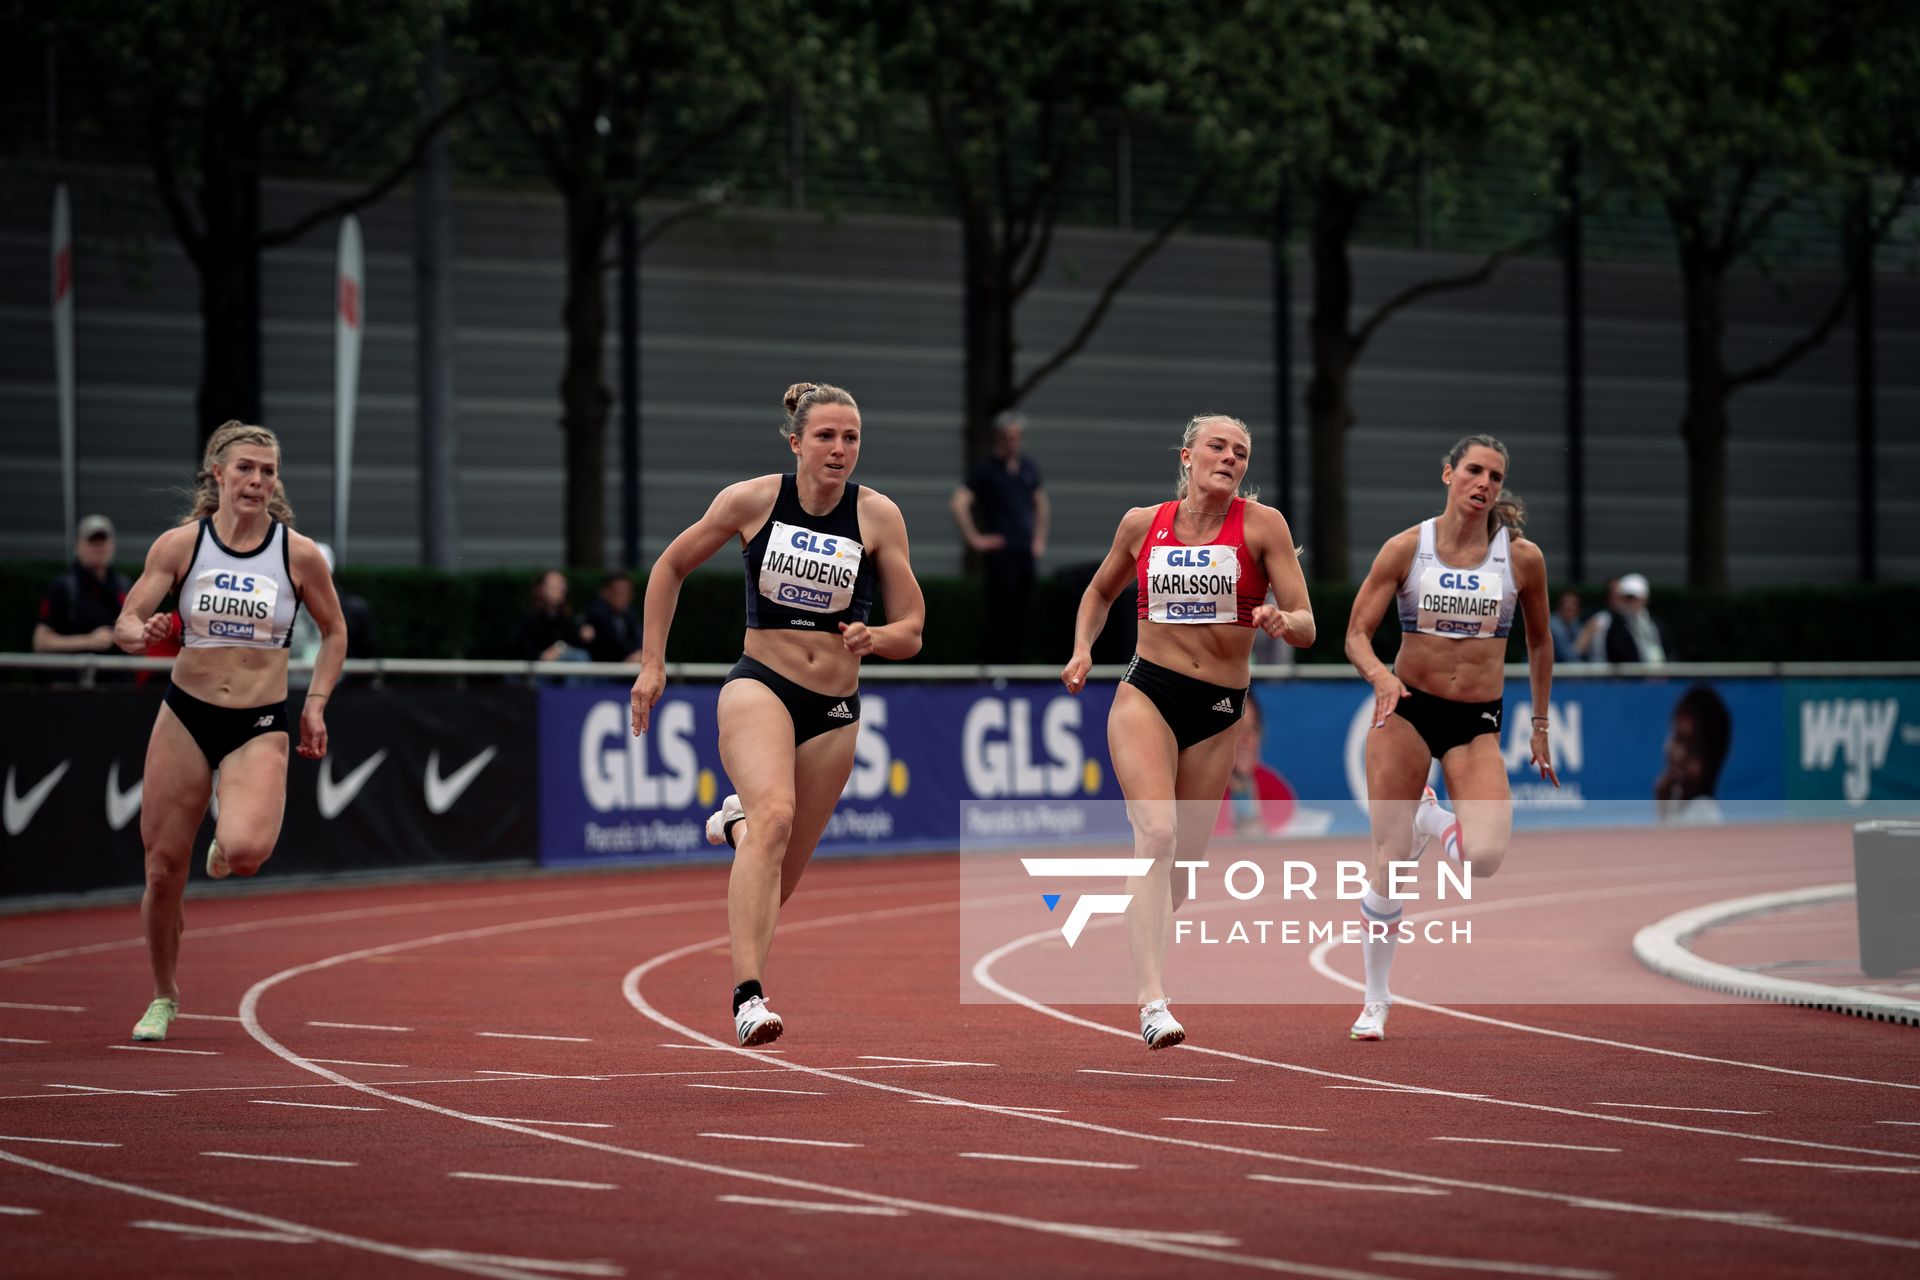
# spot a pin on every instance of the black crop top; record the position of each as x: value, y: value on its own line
x: 807, y: 572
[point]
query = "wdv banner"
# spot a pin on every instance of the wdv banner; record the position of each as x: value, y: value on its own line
x: 1853, y: 740
x: 920, y: 751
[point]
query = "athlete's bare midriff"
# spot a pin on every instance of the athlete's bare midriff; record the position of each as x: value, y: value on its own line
x: 233, y: 676
x: 1215, y: 652
x: 816, y: 660
x: 1469, y: 670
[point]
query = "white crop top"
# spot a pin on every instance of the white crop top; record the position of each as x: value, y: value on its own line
x: 243, y: 599
x: 1439, y: 599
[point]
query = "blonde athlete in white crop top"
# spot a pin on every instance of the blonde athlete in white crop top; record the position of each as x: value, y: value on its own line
x: 240, y: 572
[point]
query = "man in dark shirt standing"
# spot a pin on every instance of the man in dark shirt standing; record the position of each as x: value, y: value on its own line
x: 616, y: 627
x: 1002, y: 513
x: 78, y: 611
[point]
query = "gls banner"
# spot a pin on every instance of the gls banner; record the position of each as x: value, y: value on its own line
x: 412, y: 777
x: 921, y: 750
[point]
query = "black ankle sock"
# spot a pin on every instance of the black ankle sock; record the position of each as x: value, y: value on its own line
x: 747, y: 991
x: 727, y: 830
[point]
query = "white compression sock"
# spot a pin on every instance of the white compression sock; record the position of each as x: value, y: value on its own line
x: 1376, y: 953
x: 1432, y: 820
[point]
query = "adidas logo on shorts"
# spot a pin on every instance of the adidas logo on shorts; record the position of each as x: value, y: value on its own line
x: 1225, y: 704
x: 840, y: 712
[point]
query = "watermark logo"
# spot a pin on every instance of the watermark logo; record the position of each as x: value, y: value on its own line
x: 1088, y: 905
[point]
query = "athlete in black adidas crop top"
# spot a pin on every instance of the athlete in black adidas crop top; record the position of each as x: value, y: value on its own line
x: 816, y: 544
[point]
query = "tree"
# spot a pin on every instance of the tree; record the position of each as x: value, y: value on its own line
x: 1737, y: 112
x: 218, y: 89
x: 1013, y: 94
x: 1351, y: 104
x: 619, y: 97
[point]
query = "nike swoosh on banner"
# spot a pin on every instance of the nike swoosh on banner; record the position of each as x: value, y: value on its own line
x: 443, y: 792
x: 334, y: 797
x: 18, y: 809
x: 122, y: 805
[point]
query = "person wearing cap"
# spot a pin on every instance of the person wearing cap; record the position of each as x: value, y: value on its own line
x: 78, y: 611
x: 305, y: 646
x: 1633, y: 634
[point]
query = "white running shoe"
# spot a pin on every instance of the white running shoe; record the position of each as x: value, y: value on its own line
x: 755, y: 1023
x: 217, y: 867
x: 717, y: 822
x: 1158, y: 1027
x: 1422, y: 838
x: 1372, y: 1022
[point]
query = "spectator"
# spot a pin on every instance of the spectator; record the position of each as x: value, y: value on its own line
x: 1634, y: 634
x: 548, y: 632
x: 1565, y: 625
x: 615, y: 626
x: 78, y: 612
x: 1002, y: 513
x: 1593, y: 636
x: 305, y: 645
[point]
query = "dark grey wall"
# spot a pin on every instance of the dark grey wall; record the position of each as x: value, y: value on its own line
x: 737, y: 307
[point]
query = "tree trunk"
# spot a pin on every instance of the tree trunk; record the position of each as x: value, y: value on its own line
x: 584, y: 397
x: 1704, y: 425
x: 229, y: 270
x: 1330, y: 389
x: 989, y: 330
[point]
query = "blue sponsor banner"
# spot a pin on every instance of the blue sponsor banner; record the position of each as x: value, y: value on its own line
x: 1616, y: 745
x: 922, y: 750
x: 1853, y: 740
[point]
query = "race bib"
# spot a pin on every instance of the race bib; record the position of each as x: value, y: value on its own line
x: 807, y: 570
x: 237, y: 608
x: 1193, y: 584
x: 1460, y: 602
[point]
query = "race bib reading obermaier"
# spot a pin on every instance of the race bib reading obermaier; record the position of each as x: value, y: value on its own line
x: 1193, y: 584
x: 807, y: 570
x: 1460, y: 602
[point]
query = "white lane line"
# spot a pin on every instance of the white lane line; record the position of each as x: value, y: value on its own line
x: 517, y: 1035
x: 93, y: 1088
x: 523, y: 1075
x: 221, y: 1233
x: 154, y: 1048
x: 754, y: 1088
x: 542, y: 1266
x: 1913, y: 1123
x: 1378, y: 1088
x: 316, y: 1106
x: 345, y: 1062
x: 15, y: 1211
x: 1074, y: 1164
x: 1499, y: 1268
x: 716, y: 1048
x: 815, y: 1206
x: 357, y: 1026
x: 1206, y: 1239
x: 553, y: 1124
x: 44, y: 1008
x: 995, y: 1106
x: 1815, y: 1164
x: 18, y: 1040
x: 244, y: 1155
x: 924, y: 1062
x: 792, y: 1142
x: 1648, y: 1106
x: 208, y: 1017
x: 1348, y: 1186
x: 1153, y: 1075
x: 1245, y: 1124
x: 1549, y: 1146
x: 539, y: 1182
x: 55, y: 1142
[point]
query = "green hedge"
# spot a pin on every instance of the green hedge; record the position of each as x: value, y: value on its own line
x: 424, y: 613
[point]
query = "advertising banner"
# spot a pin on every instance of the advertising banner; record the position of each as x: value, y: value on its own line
x: 413, y: 777
x: 1853, y: 740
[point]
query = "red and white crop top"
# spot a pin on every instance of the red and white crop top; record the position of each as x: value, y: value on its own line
x: 1220, y: 582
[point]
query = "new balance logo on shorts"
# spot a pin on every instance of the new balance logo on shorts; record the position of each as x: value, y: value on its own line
x: 840, y: 712
x: 1225, y: 704
x: 264, y: 722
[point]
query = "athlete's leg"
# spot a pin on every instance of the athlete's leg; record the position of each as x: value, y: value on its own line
x: 1200, y: 781
x: 1146, y: 763
x: 821, y: 767
x: 253, y: 801
x: 1397, y: 764
x: 173, y: 799
x: 756, y: 749
x: 1476, y: 775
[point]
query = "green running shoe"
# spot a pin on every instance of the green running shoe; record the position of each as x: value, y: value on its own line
x: 159, y: 1016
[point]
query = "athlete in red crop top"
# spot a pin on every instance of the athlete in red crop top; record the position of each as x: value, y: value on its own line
x: 1202, y: 564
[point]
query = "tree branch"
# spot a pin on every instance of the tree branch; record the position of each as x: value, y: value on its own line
x: 685, y: 213
x: 1444, y: 284
x: 1126, y: 272
x: 705, y: 138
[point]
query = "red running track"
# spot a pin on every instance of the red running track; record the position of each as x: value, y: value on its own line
x: 535, y: 1082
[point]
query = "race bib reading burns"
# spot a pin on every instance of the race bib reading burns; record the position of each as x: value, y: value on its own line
x: 233, y: 606
x: 803, y: 569
x: 1193, y: 584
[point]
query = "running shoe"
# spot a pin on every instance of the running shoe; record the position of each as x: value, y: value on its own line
x: 755, y: 1023
x: 1158, y: 1027
x: 1372, y: 1022
x: 158, y: 1017
x: 1422, y: 838
x: 217, y: 862
x: 717, y: 822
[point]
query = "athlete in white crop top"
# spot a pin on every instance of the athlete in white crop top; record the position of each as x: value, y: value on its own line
x: 241, y: 573
x: 1457, y: 578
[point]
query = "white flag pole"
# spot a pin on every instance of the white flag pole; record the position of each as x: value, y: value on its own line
x: 62, y: 297
x: 349, y: 313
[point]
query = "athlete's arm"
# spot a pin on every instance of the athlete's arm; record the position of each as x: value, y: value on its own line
x: 1108, y: 582
x: 138, y: 625
x: 1292, y: 621
x: 735, y: 508
x: 314, y: 581
x: 1530, y: 577
x: 1390, y: 567
x: 899, y: 636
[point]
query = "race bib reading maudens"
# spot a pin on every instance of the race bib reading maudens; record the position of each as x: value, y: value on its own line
x: 232, y: 607
x: 1193, y: 584
x: 807, y: 570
